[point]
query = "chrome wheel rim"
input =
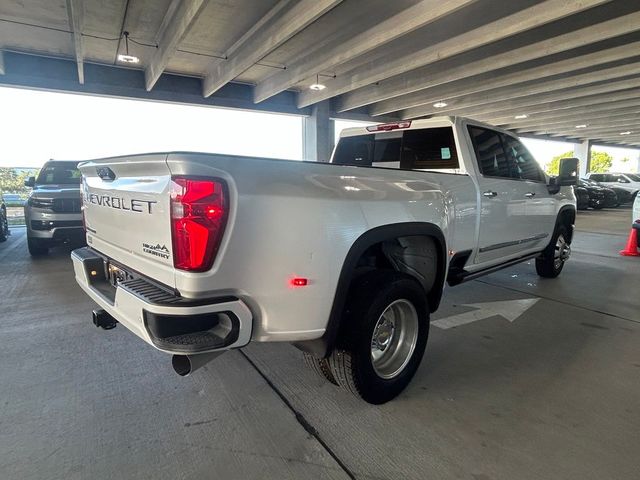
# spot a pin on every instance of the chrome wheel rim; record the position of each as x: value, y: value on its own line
x: 562, y: 252
x: 394, y: 339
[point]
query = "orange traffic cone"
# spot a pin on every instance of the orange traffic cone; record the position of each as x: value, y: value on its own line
x: 631, y: 250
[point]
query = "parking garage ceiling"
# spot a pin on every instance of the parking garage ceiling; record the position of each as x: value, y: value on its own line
x: 556, y: 68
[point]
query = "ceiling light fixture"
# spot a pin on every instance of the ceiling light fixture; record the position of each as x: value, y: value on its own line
x: 521, y: 117
x: 581, y: 126
x: 625, y: 133
x: 440, y: 104
x: 126, y: 58
x: 317, y: 86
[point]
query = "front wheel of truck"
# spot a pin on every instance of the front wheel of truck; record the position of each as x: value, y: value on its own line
x: 384, y: 334
x: 552, y: 260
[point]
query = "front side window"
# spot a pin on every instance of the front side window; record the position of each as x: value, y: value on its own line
x: 523, y: 165
x: 490, y: 154
x: 598, y: 177
x: 59, y: 173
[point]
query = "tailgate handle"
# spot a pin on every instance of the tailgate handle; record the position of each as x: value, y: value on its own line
x: 105, y: 173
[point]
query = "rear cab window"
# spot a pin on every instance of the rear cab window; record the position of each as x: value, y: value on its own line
x: 428, y: 149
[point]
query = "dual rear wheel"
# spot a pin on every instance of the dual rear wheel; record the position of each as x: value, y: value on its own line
x: 384, y: 333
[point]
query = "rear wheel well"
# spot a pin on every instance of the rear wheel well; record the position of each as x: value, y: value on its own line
x: 382, y: 248
x: 415, y: 255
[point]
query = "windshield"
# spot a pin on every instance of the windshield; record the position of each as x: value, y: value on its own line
x: 54, y: 173
x: 633, y: 177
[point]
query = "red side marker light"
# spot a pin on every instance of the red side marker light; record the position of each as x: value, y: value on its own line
x: 299, y: 282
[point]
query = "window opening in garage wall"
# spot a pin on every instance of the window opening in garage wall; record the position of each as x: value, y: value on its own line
x: 37, y: 126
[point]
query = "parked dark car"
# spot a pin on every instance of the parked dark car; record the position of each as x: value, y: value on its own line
x: 610, y: 196
x: 597, y: 197
x: 624, y: 195
x: 582, y: 198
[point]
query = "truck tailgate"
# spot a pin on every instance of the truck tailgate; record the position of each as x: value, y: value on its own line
x: 126, y: 203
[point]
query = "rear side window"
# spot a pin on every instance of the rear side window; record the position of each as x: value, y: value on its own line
x: 490, y: 153
x: 430, y: 149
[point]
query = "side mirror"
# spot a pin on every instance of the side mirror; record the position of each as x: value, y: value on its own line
x: 623, y: 180
x: 568, y: 172
x: 568, y: 175
x: 30, y: 182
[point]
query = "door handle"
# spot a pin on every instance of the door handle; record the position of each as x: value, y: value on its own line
x: 530, y: 194
x: 490, y: 194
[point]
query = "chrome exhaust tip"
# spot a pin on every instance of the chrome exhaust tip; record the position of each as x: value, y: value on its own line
x: 185, y: 365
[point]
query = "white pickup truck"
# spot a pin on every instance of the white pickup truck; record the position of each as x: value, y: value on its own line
x: 201, y: 253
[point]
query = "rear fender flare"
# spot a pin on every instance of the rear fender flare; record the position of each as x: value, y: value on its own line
x: 324, y: 346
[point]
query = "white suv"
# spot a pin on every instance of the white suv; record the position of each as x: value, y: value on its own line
x: 628, y: 181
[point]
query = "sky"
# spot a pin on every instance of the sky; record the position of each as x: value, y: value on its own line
x: 36, y: 126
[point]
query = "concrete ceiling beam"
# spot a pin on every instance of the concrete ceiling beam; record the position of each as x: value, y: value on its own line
x: 523, y: 103
x: 611, y: 130
x: 428, y: 77
x: 518, y: 91
x: 75, y: 12
x: 579, y: 114
x: 275, y: 28
x: 340, y: 51
x: 526, y: 19
x: 601, y: 118
x: 181, y: 14
x: 493, y: 80
x: 551, y: 109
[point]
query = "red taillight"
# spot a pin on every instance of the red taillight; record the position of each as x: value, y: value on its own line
x: 198, y: 216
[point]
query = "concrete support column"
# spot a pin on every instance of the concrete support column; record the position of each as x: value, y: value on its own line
x: 318, y: 134
x: 582, y: 151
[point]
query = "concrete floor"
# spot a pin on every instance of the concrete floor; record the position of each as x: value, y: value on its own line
x: 553, y: 395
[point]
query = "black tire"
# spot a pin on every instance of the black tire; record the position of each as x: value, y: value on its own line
x: 4, y: 226
x: 36, y: 247
x: 351, y: 362
x: 546, y: 264
x: 320, y: 366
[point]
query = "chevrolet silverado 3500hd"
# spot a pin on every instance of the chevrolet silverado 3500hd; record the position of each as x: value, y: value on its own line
x: 201, y: 253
